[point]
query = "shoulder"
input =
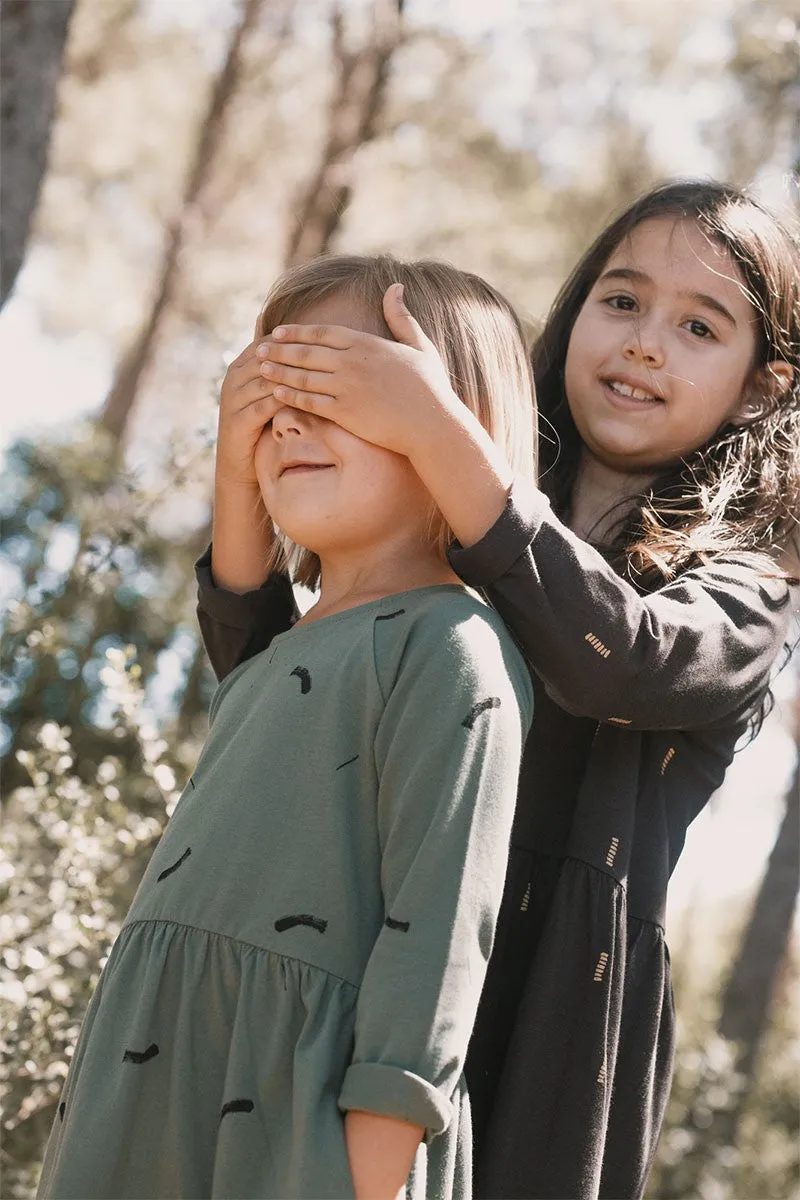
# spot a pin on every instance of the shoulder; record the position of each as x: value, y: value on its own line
x: 448, y: 634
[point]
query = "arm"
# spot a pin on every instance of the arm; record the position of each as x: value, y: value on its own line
x: 447, y: 751
x: 239, y: 609
x: 699, y: 650
x: 381, y: 1151
x: 242, y: 537
x: 235, y: 626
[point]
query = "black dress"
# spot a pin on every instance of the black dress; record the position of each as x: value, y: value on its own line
x: 640, y: 701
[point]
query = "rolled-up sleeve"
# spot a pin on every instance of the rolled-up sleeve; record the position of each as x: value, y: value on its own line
x: 447, y: 756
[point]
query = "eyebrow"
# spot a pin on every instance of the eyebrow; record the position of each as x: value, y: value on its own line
x: 699, y: 297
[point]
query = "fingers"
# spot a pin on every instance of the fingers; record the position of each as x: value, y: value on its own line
x: 336, y: 337
x: 312, y: 402
x: 259, y: 412
x: 318, y: 382
x: 247, y: 363
x: 313, y: 358
x: 242, y: 399
x: 404, y: 327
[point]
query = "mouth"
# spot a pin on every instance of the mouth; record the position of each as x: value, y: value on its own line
x: 629, y: 395
x: 302, y: 468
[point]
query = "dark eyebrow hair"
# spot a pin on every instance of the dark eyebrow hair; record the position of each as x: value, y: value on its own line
x: 699, y: 297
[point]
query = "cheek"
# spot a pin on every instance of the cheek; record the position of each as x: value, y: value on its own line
x: 581, y: 349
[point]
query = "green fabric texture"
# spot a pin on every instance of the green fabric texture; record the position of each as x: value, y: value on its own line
x: 312, y: 932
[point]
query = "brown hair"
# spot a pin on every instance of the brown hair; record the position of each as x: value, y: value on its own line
x: 740, y: 491
x: 474, y: 328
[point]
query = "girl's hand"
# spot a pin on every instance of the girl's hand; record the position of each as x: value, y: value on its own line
x: 247, y: 404
x: 388, y: 393
x: 242, y: 531
x: 397, y: 395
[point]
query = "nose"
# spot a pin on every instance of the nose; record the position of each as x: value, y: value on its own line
x: 290, y: 422
x: 644, y: 343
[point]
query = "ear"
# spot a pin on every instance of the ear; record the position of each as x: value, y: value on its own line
x: 765, y: 387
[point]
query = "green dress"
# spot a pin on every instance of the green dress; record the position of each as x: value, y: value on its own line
x: 312, y: 931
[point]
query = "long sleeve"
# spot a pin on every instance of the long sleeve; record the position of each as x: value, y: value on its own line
x: 697, y: 651
x: 235, y: 627
x: 447, y: 755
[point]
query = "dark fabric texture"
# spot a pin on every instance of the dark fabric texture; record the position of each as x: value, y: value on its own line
x: 639, y: 704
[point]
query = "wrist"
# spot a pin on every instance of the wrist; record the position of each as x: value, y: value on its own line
x: 466, y: 473
x: 455, y: 431
x: 230, y: 485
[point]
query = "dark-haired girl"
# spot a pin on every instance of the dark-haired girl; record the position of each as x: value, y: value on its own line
x: 649, y: 582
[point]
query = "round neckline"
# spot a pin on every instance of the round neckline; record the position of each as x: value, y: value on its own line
x: 359, y: 609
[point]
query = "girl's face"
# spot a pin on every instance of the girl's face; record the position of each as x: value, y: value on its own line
x: 328, y: 490
x: 662, y: 351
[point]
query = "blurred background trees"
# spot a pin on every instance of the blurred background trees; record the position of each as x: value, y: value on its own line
x: 194, y: 151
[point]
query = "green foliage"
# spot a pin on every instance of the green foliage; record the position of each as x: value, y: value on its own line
x: 103, y: 683
x: 72, y: 851
x: 722, y: 1141
x: 89, y: 778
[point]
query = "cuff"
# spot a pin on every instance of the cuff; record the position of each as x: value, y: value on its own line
x: 394, y: 1092
x: 500, y: 547
x: 246, y: 610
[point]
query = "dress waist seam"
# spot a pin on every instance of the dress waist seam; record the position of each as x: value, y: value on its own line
x: 237, y: 942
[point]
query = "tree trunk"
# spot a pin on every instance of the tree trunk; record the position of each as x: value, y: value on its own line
x: 358, y: 95
x: 745, y: 1008
x: 748, y: 992
x: 32, y: 40
x: 120, y: 401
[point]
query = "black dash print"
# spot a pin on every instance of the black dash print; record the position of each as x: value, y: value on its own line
x: 175, y: 865
x: 347, y: 763
x: 388, y: 616
x: 141, y: 1056
x: 285, y: 923
x: 390, y: 923
x: 481, y: 707
x: 236, y: 1106
x: 191, y: 783
x: 61, y: 1108
x: 305, y: 678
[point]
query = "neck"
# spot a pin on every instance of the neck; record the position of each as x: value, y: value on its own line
x: 352, y: 577
x: 601, y: 497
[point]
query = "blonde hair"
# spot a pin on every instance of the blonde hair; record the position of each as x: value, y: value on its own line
x: 475, y: 330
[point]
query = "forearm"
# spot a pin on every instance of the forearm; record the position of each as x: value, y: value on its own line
x: 242, y: 537
x: 465, y: 472
x: 381, y: 1152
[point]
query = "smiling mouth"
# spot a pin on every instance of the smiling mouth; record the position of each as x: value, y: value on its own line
x: 304, y: 468
x: 633, y: 395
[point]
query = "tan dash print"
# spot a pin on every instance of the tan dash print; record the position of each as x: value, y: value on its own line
x: 597, y: 645
x: 620, y: 721
x: 668, y: 757
x: 612, y: 852
x: 601, y: 1078
x: 600, y: 969
x: 525, y: 899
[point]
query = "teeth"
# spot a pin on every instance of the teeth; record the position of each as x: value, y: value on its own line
x: 624, y: 389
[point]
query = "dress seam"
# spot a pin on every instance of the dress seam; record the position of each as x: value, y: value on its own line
x: 239, y: 942
x: 609, y: 875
